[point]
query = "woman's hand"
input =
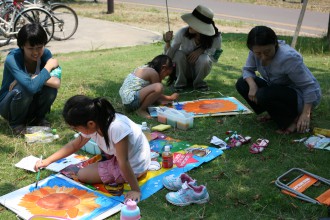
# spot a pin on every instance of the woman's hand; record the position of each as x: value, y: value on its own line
x: 252, y: 94
x: 168, y: 36
x: 133, y: 195
x: 253, y: 88
x: 51, y: 64
x: 12, y: 85
x: 193, y: 56
x: 304, y: 119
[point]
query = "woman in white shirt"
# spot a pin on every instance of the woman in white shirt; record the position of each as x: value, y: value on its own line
x: 194, y: 49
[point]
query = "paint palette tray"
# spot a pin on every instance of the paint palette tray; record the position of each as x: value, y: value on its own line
x: 176, y: 118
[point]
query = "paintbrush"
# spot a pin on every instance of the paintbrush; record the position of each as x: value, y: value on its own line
x: 38, y: 175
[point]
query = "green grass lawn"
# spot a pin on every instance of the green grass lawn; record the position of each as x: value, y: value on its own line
x: 240, y: 184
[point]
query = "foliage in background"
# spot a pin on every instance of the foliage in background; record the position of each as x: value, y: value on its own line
x: 241, y: 185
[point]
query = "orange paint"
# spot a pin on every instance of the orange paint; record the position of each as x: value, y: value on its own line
x: 60, y: 202
x: 209, y: 106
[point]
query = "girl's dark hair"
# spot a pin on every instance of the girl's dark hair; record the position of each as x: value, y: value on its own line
x: 157, y: 64
x: 79, y: 110
x: 32, y: 33
x: 206, y: 41
x: 261, y: 36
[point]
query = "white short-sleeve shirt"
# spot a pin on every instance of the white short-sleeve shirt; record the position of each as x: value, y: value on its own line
x: 138, y: 145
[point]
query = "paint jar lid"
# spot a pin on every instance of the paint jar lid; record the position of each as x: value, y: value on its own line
x: 167, y: 148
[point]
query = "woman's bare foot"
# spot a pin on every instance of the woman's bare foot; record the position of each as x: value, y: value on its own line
x: 143, y: 114
x: 264, y: 118
x: 289, y: 130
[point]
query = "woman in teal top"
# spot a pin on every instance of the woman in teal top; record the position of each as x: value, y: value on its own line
x: 29, y: 86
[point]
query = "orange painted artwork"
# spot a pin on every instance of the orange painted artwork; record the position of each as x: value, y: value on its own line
x: 61, y: 197
x: 213, y: 107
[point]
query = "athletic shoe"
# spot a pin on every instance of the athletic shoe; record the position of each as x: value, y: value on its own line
x: 174, y: 183
x: 188, y: 194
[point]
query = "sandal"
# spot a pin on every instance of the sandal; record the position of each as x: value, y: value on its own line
x: 239, y: 140
x: 259, y: 146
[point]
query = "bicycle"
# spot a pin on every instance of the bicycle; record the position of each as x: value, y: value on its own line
x: 14, y: 17
x: 65, y: 19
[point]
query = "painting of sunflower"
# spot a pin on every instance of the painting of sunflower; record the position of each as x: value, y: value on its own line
x: 59, y: 201
x: 60, y: 197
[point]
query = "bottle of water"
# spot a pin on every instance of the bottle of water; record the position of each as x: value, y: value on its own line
x: 130, y: 211
x: 146, y: 130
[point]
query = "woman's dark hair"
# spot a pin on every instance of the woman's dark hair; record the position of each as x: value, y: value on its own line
x: 261, y: 36
x: 79, y: 110
x: 157, y: 64
x: 206, y: 41
x: 32, y: 33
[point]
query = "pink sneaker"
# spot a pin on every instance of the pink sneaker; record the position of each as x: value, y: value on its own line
x: 174, y: 183
x: 188, y: 194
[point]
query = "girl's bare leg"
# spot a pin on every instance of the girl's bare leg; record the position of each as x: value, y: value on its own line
x: 149, y: 95
x: 89, y: 174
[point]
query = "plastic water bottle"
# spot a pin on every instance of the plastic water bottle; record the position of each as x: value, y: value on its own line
x: 130, y: 211
x: 167, y: 157
x: 146, y: 130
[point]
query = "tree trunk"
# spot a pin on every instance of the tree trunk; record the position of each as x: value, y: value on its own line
x: 328, y: 35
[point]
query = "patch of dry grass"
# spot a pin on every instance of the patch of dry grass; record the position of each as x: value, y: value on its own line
x: 313, y: 5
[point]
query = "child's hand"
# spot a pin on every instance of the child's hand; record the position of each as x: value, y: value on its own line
x: 133, y: 195
x: 175, y: 96
x: 40, y: 164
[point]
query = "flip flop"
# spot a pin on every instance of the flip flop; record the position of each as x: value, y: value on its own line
x: 259, y: 146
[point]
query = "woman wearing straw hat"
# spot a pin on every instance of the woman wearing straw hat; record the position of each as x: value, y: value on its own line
x: 194, y: 49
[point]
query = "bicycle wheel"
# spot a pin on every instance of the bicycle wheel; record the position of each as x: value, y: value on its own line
x: 3, y: 39
x: 38, y: 15
x: 65, y: 21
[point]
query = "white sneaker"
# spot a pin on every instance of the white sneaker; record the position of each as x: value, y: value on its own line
x: 174, y: 183
x: 188, y: 194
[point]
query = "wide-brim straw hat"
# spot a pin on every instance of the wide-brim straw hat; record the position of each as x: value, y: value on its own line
x: 201, y: 20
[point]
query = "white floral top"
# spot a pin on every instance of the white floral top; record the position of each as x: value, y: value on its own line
x: 130, y: 85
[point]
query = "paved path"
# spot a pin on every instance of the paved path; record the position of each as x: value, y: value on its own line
x: 314, y: 23
x: 93, y: 34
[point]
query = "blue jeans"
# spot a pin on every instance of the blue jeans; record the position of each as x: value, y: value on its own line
x: 20, y: 107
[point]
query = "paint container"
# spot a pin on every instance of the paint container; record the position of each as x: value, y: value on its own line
x: 178, y: 106
x: 130, y: 211
x: 321, y: 131
x: 176, y: 118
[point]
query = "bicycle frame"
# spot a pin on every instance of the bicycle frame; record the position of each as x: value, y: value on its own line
x: 5, y: 26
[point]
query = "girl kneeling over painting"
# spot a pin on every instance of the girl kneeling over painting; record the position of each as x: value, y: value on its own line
x: 115, y: 134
